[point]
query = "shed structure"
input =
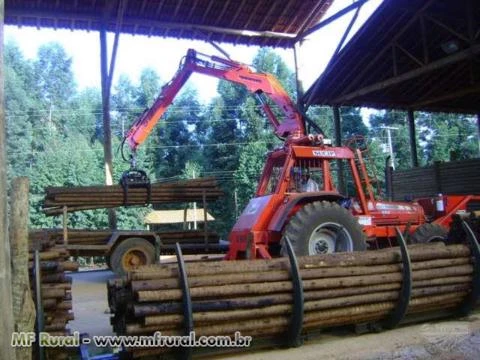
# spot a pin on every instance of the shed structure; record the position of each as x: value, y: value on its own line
x: 414, y: 55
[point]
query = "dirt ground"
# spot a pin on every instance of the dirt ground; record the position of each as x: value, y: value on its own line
x: 455, y: 339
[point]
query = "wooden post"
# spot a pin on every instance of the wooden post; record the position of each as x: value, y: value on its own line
x: 23, y: 306
x: 65, y: 225
x: 6, y: 310
x: 338, y: 142
x: 413, y: 138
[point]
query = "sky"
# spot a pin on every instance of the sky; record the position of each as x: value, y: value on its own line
x: 163, y: 55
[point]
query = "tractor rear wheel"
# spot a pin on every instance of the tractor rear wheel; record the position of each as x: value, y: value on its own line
x: 130, y: 254
x: 324, y: 227
x: 429, y: 233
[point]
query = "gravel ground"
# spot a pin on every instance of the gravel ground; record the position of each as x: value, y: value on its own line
x: 456, y: 339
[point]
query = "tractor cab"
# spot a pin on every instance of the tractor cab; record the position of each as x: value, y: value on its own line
x: 298, y: 197
x: 293, y: 176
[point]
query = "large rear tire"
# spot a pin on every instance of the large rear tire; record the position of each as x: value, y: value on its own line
x: 324, y: 227
x: 427, y: 233
x: 130, y: 254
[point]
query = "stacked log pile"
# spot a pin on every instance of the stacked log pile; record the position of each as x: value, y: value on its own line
x: 102, y: 196
x: 256, y: 297
x: 56, y: 296
x: 101, y: 237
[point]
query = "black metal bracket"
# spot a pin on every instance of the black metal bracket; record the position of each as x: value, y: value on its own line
x: 135, y: 178
x: 471, y: 300
x: 40, y: 324
x: 406, y: 233
x: 397, y: 315
x: 186, y: 352
x: 294, y: 332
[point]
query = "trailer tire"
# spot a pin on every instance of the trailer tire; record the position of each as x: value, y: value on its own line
x: 130, y: 254
x: 323, y: 227
x: 429, y: 233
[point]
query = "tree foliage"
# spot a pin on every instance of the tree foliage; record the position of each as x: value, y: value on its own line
x: 54, y: 133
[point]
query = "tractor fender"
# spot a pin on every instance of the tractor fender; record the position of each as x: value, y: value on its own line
x: 118, y: 236
x: 284, y: 211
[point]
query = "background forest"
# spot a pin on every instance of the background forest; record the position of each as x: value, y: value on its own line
x: 55, y: 135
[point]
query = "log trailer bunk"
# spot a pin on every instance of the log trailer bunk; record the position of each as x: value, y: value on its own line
x: 323, y: 221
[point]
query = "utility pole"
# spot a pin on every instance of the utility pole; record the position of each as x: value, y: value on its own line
x: 390, y: 144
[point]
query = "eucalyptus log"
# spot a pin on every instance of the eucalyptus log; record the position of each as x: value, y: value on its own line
x: 364, y: 258
x: 283, y: 286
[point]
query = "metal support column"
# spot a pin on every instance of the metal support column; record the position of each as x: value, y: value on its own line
x: 299, y: 84
x: 338, y: 142
x: 478, y: 132
x: 413, y: 138
x: 107, y: 131
x: 106, y: 82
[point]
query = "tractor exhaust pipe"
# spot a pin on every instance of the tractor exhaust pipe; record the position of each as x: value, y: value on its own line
x: 388, y: 179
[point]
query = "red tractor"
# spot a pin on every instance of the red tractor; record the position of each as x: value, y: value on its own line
x: 296, y: 195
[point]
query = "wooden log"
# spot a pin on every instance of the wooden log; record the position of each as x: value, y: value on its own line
x: 345, y: 320
x: 49, y: 303
x: 53, y: 293
x: 64, y: 286
x: 22, y: 300
x: 442, y: 281
x: 270, y: 276
x: 432, y: 290
x: 217, y: 316
x: 256, y: 301
x: 284, y: 286
x: 47, y: 255
x: 436, y: 299
x: 431, y: 264
x: 55, y: 278
x: 252, y: 277
x: 348, y: 311
x: 369, y: 258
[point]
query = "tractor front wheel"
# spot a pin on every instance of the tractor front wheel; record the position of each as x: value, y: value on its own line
x: 427, y: 233
x: 324, y: 227
x: 130, y: 254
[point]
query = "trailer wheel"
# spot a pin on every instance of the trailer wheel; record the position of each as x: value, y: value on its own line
x: 429, y: 233
x: 324, y: 227
x: 130, y: 254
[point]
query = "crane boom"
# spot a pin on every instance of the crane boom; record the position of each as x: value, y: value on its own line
x: 261, y: 84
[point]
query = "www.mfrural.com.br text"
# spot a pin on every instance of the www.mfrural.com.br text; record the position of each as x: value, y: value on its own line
x: 25, y: 339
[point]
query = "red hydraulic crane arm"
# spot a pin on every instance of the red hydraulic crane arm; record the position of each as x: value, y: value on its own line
x: 257, y: 83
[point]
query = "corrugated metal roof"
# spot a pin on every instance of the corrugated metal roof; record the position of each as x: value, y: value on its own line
x: 250, y: 22
x: 176, y: 216
x: 411, y: 54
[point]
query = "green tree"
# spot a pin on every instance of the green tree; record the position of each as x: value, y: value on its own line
x: 20, y: 108
x: 447, y: 137
x: 54, y: 82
